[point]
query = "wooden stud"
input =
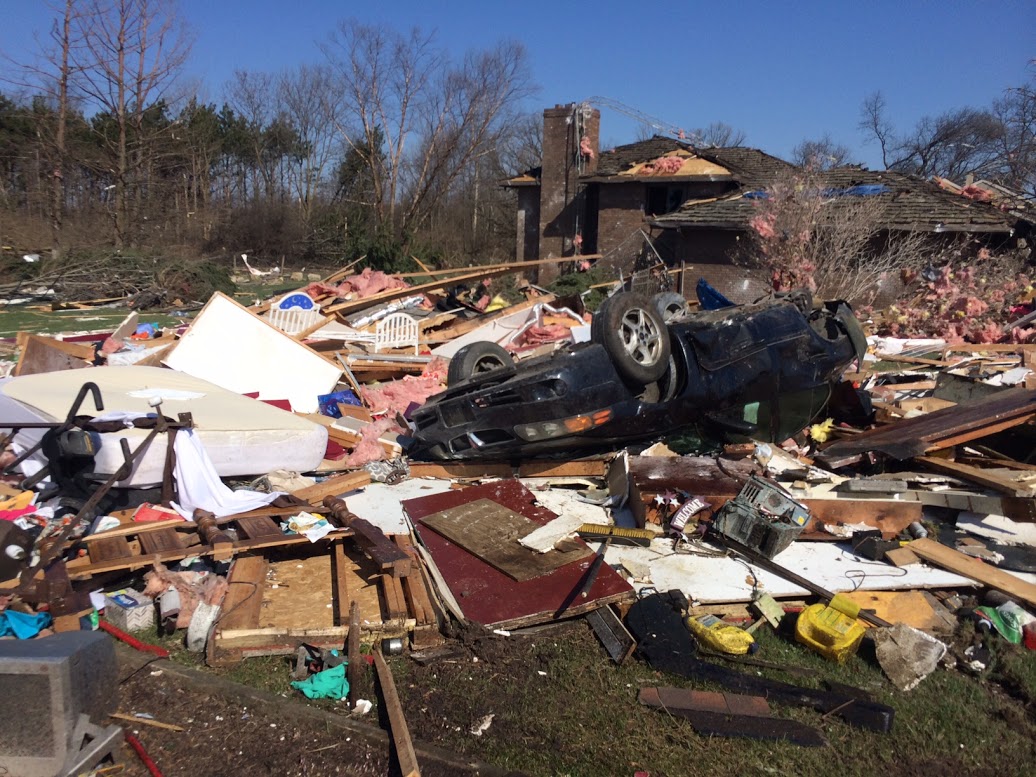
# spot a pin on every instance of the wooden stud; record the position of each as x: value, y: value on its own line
x: 401, y: 741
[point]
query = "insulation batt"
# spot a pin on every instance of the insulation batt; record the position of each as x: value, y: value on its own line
x: 369, y: 449
x: 192, y: 587
x: 397, y: 395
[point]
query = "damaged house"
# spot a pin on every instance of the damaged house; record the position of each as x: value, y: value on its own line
x: 695, y: 205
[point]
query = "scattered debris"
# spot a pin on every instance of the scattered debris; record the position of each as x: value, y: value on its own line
x: 353, y: 464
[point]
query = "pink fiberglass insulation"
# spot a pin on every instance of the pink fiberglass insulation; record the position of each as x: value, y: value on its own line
x: 397, y: 395
x: 540, y: 335
x: 436, y: 368
x: 664, y: 165
x: 370, y: 282
x: 193, y: 587
x: 369, y: 448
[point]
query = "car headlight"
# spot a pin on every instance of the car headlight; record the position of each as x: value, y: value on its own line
x: 545, y: 430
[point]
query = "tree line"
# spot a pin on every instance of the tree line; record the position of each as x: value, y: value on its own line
x: 386, y: 146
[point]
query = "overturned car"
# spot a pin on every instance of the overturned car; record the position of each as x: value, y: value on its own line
x: 763, y: 370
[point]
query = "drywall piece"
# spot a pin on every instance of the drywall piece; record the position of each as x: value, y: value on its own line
x: 997, y: 527
x: 232, y: 347
x: 829, y: 565
x: 499, y: 331
x: 572, y: 513
x: 381, y: 504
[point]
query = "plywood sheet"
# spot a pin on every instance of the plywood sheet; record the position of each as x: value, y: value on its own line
x: 487, y: 595
x: 912, y: 608
x: 492, y: 532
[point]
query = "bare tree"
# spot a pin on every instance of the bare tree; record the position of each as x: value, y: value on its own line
x: 876, y: 126
x: 840, y: 247
x: 719, y: 135
x: 49, y: 76
x: 820, y: 154
x: 132, y: 54
x: 1016, y: 112
x: 313, y: 105
x: 437, y: 118
x: 954, y: 144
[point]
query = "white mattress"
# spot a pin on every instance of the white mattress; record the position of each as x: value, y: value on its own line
x: 242, y: 436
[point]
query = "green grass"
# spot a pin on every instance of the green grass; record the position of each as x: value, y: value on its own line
x: 581, y: 716
x: 21, y: 318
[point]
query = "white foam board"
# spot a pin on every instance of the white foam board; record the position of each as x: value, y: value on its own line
x: 230, y: 346
x: 722, y: 580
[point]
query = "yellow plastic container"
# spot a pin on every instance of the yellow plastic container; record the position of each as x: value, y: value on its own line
x: 833, y: 630
x: 718, y: 635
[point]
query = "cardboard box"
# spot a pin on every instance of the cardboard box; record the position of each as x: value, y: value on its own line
x: 129, y: 610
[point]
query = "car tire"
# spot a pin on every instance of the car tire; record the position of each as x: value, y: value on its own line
x: 477, y: 359
x: 634, y: 335
x: 670, y: 305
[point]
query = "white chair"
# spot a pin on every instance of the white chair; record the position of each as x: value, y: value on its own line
x: 294, y: 313
x: 396, y: 330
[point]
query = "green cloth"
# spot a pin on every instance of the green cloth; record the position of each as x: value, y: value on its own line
x: 329, y: 684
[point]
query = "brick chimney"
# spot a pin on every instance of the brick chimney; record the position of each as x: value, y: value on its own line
x: 561, y: 205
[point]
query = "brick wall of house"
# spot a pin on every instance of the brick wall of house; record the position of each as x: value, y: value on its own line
x: 563, y: 128
x: 619, y: 217
x: 527, y: 224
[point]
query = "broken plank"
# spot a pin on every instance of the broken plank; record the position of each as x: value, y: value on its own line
x: 460, y: 470
x: 340, y: 596
x: 414, y: 590
x: 896, y: 357
x: 596, y: 468
x: 491, y: 532
x: 392, y: 599
x: 901, y: 557
x: 975, y: 475
x: 335, y: 486
x: 704, y: 701
x: 955, y: 561
x: 158, y: 541
x: 401, y: 741
x: 244, y: 598
x: 934, y: 431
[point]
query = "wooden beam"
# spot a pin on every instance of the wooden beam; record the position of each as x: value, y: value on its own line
x: 352, y: 672
x: 401, y: 741
x: 340, y: 484
x: 975, y: 475
x: 955, y: 561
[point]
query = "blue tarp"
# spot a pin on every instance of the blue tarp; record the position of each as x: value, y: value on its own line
x: 709, y: 298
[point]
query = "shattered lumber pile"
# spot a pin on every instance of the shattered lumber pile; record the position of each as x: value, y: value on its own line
x: 247, y: 482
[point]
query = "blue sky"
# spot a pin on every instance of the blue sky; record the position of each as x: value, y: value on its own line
x: 779, y: 71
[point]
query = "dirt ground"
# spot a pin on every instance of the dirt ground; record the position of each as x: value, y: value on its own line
x: 224, y: 738
x: 229, y: 736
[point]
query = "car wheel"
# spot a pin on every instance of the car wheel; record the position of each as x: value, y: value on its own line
x: 634, y: 335
x: 477, y: 359
x: 670, y: 305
